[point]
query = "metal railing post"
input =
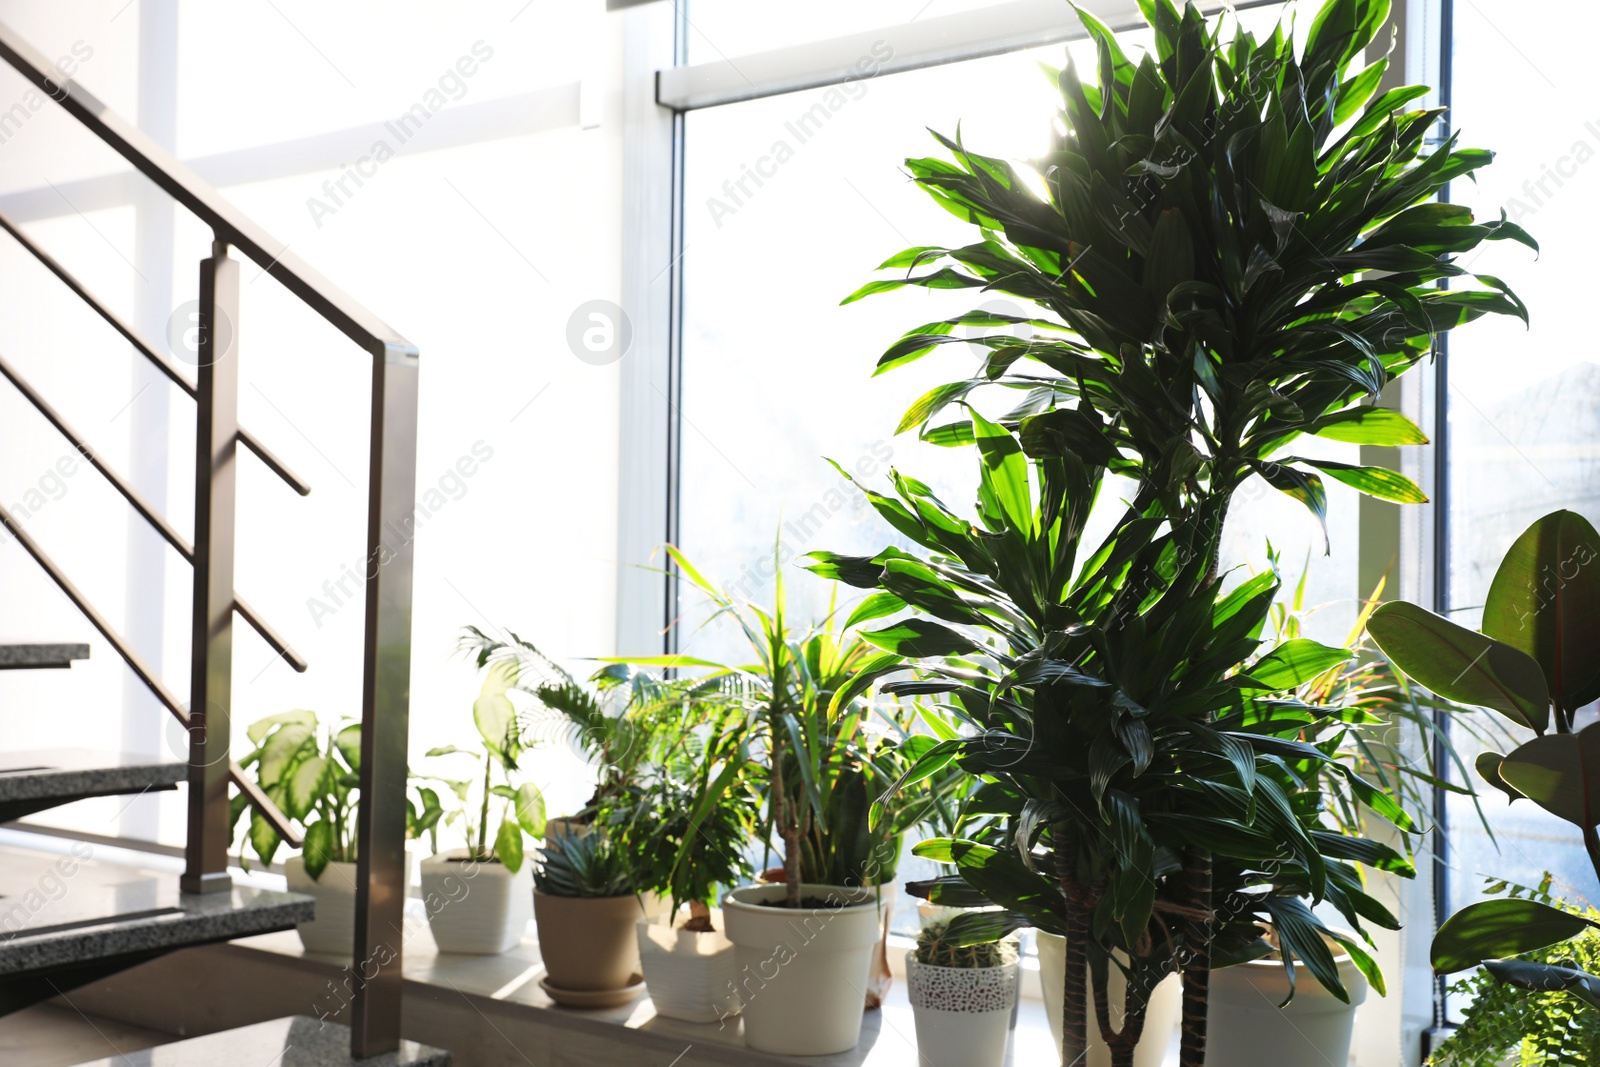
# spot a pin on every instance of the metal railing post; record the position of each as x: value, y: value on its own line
x: 215, y: 476
x: 385, y: 705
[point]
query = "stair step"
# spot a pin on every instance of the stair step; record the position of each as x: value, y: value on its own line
x: 66, y: 920
x: 34, y: 781
x: 298, y: 1041
x: 39, y: 657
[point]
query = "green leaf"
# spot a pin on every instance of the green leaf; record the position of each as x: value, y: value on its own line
x: 1005, y: 472
x: 530, y: 810
x: 348, y: 742
x: 1294, y: 663
x: 875, y: 606
x: 282, y: 750
x: 259, y: 728
x: 1462, y: 665
x: 496, y: 719
x: 920, y: 638
x: 1545, y: 600
x: 1380, y: 482
x: 318, y: 848
x: 1546, y: 978
x: 1488, y: 764
x: 508, y: 845
x: 446, y: 750
x: 1304, y: 487
x: 304, y: 786
x: 263, y: 838
x: 1560, y: 773
x: 1491, y: 929
x: 1366, y: 425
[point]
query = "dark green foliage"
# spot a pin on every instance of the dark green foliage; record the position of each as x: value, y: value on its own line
x: 582, y: 863
x: 937, y: 949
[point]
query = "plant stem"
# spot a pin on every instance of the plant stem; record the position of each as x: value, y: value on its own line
x: 483, y: 816
x: 1074, y: 989
x: 1197, y: 962
x: 699, y: 917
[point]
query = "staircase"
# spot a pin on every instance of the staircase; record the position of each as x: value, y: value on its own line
x: 68, y: 920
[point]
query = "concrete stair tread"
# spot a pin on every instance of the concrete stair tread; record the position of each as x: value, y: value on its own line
x: 66, y: 911
x: 44, y: 778
x: 297, y: 1041
x: 48, y: 655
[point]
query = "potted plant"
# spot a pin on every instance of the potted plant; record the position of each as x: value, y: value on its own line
x: 1507, y: 1022
x: 586, y: 912
x: 1194, y: 246
x: 963, y: 998
x: 493, y: 913
x: 311, y: 773
x: 804, y: 947
x: 1534, y: 663
x: 685, y: 830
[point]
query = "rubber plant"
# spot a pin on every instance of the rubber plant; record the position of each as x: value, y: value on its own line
x: 1197, y: 243
x: 1534, y: 663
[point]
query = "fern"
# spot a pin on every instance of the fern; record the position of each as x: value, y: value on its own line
x: 1507, y: 1024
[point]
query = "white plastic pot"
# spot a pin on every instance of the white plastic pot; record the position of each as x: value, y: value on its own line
x: 1160, y: 1021
x: 333, y: 931
x: 801, y: 972
x: 480, y: 909
x: 963, y: 1014
x: 1246, y: 1028
x: 690, y: 974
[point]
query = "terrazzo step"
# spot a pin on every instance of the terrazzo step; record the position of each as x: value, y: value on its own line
x: 298, y: 1041
x: 34, y: 781
x: 40, y: 657
x: 66, y: 920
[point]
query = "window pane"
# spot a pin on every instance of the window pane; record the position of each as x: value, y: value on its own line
x: 1523, y: 404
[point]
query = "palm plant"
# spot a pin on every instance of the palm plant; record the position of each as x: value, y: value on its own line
x: 1195, y: 242
x: 827, y: 751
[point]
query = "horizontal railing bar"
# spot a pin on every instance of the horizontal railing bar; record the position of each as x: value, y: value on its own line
x: 227, y: 222
x: 269, y: 635
x: 129, y: 493
x: 148, y: 351
x: 145, y: 510
x: 262, y: 803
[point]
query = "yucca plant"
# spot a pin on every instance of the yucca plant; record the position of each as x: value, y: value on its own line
x: 1232, y: 242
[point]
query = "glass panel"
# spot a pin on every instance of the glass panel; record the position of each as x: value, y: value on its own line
x: 722, y: 29
x: 1523, y: 404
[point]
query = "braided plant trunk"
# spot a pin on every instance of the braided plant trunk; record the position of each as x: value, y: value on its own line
x: 1197, y: 957
x: 1074, y: 985
x: 1123, y: 1043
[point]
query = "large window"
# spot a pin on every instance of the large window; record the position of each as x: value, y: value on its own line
x: 1523, y: 405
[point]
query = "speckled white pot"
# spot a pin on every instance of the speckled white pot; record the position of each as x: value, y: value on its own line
x: 480, y: 909
x: 963, y: 1014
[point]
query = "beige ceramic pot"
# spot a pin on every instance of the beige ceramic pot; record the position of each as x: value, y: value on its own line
x: 588, y: 944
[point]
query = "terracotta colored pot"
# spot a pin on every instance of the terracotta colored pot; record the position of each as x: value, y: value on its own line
x: 588, y: 944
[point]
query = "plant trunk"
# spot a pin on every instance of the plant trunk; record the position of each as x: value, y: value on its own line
x: 788, y: 830
x: 1197, y: 959
x: 483, y: 816
x: 1123, y: 1042
x: 1074, y: 985
x: 699, y: 917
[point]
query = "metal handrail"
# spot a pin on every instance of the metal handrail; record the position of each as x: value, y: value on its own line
x: 263, y: 803
x: 145, y: 510
x: 227, y: 222
x: 148, y: 351
x: 391, y: 496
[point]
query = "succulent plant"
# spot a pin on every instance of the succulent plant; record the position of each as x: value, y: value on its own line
x: 935, y: 949
x: 582, y: 864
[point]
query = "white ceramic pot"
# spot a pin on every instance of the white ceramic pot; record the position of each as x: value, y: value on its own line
x: 1246, y: 1028
x: 1160, y: 1021
x: 802, y: 972
x: 963, y: 1014
x: 690, y: 974
x: 480, y: 909
x: 333, y: 931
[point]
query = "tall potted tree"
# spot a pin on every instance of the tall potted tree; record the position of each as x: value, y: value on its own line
x: 1194, y: 245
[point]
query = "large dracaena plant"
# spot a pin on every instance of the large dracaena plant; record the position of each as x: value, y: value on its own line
x: 1195, y: 243
x: 1535, y: 663
x: 1108, y: 743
